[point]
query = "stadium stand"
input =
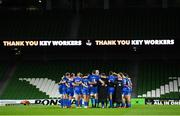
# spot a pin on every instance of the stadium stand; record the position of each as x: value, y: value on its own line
x: 45, y: 85
x: 39, y: 80
x: 128, y: 25
x: 159, y: 80
x: 35, y: 25
x: 55, y: 25
x: 3, y: 67
x: 29, y: 80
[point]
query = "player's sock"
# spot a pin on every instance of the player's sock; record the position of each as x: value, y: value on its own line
x: 60, y: 102
x: 102, y: 103
x: 106, y: 102
x: 77, y: 103
x: 69, y: 103
x: 66, y: 102
x: 117, y: 104
x: 81, y: 102
x: 96, y: 102
x: 92, y: 102
x: 123, y: 105
x: 85, y: 103
x: 111, y: 103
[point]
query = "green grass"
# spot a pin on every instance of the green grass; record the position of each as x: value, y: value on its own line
x: 55, y: 110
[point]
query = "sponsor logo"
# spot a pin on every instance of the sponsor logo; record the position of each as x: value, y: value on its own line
x: 162, y: 102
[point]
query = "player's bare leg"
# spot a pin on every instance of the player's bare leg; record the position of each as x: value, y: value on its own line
x: 64, y: 102
x: 86, y: 101
x: 123, y: 101
x: 96, y: 100
x: 77, y: 100
x: 70, y: 98
x: 128, y: 100
x: 111, y: 100
x: 93, y: 100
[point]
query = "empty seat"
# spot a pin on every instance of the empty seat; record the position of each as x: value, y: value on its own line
x: 166, y: 88
x: 162, y: 90
x: 157, y: 92
x: 149, y: 94
x: 175, y: 83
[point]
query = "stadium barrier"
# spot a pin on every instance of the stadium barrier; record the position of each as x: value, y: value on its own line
x: 134, y: 101
x: 159, y: 101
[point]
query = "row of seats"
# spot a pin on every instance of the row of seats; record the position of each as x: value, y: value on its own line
x: 35, y: 25
x: 159, y: 80
x: 128, y: 26
x: 22, y: 90
x: 48, y: 86
x: 164, y: 90
x: 102, y: 25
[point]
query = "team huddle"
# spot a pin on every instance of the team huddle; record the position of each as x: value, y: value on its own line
x: 110, y: 91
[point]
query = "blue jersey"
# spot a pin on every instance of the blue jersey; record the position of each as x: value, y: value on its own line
x: 94, y: 87
x: 70, y: 90
x: 62, y: 86
x: 85, y: 81
x: 130, y: 84
x: 126, y: 87
x: 126, y: 84
x: 77, y: 88
x: 94, y: 78
x: 77, y: 80
x: 85, y: 89
x: 111, y: 80
x: 64, y: 81
x: 70, y: 82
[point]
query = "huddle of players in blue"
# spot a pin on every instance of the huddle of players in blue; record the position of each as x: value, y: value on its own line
x: 99, y: 88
